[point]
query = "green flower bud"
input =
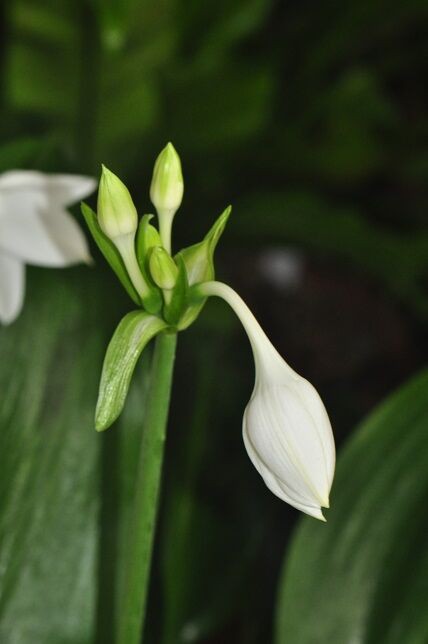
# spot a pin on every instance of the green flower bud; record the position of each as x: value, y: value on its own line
x: 117, y: 215
x: 163, y: 269
x: 166, y: 190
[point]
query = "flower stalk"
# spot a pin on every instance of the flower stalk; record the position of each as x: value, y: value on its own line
x: 144, y: 512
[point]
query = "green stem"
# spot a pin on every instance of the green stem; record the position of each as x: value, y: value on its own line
x: 143, y: 520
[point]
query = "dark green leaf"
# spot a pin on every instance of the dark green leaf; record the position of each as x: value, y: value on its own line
x: 49, y: 361
x: 135, y: 330
x: 362, y: 577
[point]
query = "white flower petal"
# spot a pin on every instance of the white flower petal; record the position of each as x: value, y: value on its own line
x: 66, y: 189
x: 34, y: 235
x: 12, y: 287
x: 61, y: 189
x: 279, y: 488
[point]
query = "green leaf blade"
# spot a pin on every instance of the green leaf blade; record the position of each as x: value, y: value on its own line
x: 135, y: 330
x: 362, y: 574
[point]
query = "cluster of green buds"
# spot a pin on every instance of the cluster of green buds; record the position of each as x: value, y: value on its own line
x: 162, y: 285
x: 285, y: 428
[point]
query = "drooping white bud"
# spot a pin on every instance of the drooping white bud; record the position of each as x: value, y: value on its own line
x: 286, y: 429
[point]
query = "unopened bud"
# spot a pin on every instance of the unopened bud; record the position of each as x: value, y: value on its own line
x: 166, y: 190
x: 163, y: 269
x: 117, y: 215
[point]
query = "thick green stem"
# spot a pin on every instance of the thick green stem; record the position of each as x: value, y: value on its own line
x: 143, y: 521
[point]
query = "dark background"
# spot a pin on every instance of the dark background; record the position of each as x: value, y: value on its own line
x: 310, y: 119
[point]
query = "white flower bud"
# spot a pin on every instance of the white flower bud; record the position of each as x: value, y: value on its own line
x: 286, y: 429
x: 117, y: 215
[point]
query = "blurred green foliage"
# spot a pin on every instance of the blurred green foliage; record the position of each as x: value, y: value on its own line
x: 310, y: 118
x: 364, y: 576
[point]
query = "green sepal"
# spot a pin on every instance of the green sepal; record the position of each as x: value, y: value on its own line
x: 110, y: 252
x: 174, y: 309
x: 133, y: 333
x: 199, y: 263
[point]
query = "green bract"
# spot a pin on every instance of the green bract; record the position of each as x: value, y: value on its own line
x: 199, y: 263
x: 160, y: 285
x: 131, y: 336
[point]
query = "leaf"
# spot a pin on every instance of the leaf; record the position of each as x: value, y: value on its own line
x: 110, y: 252
x: 362, y: 577
x: 200, y: 540
x: 21, y: 153
x: 57, y: 71
x: 49, y: 361
x: 135, y: 330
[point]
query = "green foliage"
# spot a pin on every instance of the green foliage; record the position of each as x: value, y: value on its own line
x: 49, y: 462
x: 135, y: 330
x: 362, y: 576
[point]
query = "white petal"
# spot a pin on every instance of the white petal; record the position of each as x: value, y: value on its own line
x: 70, y: 242
x: 62, y: 189
x: 315, y: 407
x: 37, y: 236
x: 12, y: 287
x: 280, y: 489
x: 66, y: 189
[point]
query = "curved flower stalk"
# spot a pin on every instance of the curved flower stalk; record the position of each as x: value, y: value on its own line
x: 286, y: 429
x: 35, y: 228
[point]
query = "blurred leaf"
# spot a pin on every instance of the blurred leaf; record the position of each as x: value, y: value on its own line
x: 345, y: 134
x: 61, y: 573
x: 363, y: 576
x: 228, y: 24
x: 49, y: 462
x: 21, y: 154
x: 58, y: 70
x: 223, y: 108
x: 199, y: 544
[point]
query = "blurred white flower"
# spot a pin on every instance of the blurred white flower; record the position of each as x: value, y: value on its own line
x: 286, y: 429
x: 35, y: 228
